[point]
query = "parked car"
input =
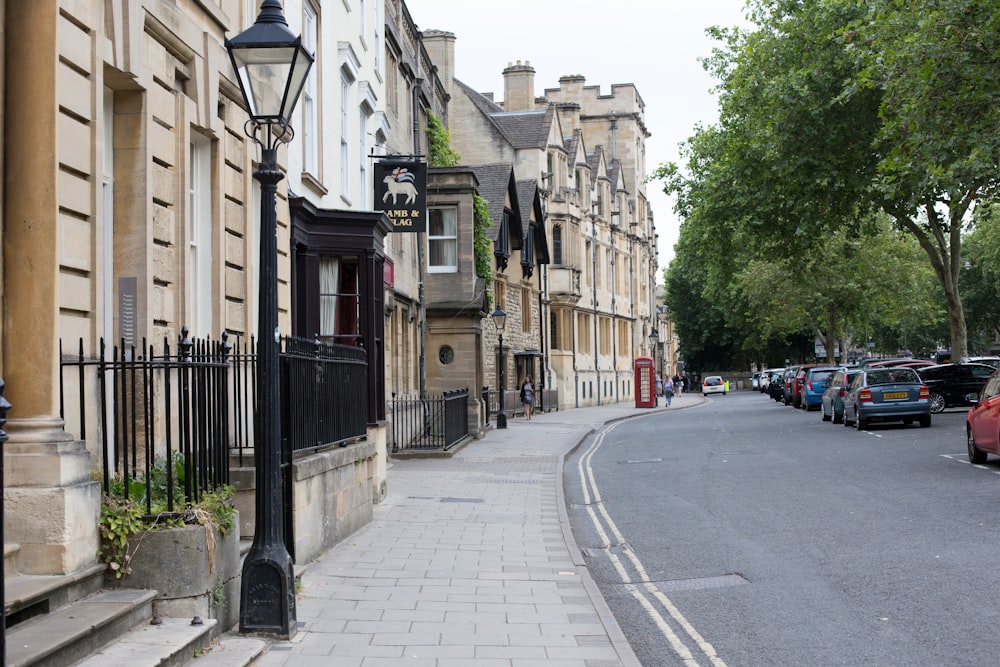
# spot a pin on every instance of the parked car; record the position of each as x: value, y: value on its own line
x: 982, y: 423
x: 788, y: 381
x: 814, y: 383
x: 989, y: 361
x: 954, y: 385
x: 832, y: 401
x: 887, y: 395
x: 800, y: 381
x: 713, y: 384
x: 755, y: 381
x: 776, y: 384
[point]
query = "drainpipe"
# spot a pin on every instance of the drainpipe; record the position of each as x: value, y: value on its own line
x: 415, y: 106
x: 593, y: 273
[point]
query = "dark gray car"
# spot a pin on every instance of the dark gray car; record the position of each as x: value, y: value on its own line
x: 832, y: 404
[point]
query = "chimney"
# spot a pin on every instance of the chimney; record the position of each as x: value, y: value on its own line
x: 519, y: 87
x: 440, y: 47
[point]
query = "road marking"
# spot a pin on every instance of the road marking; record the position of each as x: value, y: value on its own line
x: 592, y: 500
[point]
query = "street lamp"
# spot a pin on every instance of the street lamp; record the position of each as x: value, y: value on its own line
x: 653, y: 338
x: 500, y: 322
x: 271, y: 66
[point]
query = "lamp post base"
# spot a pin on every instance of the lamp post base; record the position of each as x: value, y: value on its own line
x: 267, y: 598
x: 501, y: 420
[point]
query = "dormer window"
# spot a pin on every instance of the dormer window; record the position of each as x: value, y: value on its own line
x: 501, y: 247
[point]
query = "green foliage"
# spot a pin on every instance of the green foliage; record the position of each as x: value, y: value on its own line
x: 482, y: 245
x: 122, y: 517
x: 830, y: 112
x: 439, y: 151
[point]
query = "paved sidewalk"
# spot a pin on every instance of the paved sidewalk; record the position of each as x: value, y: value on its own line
x: 469, y: 561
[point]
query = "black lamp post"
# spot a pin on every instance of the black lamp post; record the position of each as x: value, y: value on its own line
x: 500, y: 322
x: 653, y: 338
x: 271, y: 66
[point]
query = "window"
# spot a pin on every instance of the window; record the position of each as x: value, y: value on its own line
x: 605, y: 335
x: 585, y: 332
x: 501, y: 247
x: 525, y: 309
x: 366, y: 188
x: 339, y: 300
x: 500, y: 294
x: 199, y: 266
x: 345, y: 152
x: 310, y: 106
x: 392, y: 83
x: 560, y: 336
x: 557, y: 245
x: 442, y: 240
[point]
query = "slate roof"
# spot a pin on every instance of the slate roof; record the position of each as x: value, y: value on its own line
x: 494, y: 184
x: 528, y: 198
x: 521, y: 129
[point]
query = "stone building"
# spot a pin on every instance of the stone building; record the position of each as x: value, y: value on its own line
x: 586, y: 153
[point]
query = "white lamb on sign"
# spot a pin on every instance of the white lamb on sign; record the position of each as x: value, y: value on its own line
x: 397, y: 188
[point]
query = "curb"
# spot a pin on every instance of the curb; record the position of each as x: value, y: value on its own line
x: 615, y: 633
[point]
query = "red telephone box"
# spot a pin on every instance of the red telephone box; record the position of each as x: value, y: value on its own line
x: 645, y: 382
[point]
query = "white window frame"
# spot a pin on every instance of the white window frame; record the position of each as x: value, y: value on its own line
x: 199, y: 266
x: 444, y: 237
x: 310, y: 105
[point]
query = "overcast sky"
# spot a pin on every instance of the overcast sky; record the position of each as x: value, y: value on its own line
x: 655, y: 44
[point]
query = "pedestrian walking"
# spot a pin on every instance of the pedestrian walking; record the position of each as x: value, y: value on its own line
x: 668, y: 390
x: 527, y: 396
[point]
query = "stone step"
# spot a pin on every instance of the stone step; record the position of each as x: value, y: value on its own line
x: 171, y: 643
x: 67, y: 635
x: 30, y: 595
x: 232, y: 650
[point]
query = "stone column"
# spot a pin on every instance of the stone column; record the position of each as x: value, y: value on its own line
x: 51, y: 506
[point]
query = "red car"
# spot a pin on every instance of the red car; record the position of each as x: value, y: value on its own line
x: 982, y: 423
x: 799, y: 382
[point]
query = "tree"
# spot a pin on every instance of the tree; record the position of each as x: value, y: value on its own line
x: 834, y: 108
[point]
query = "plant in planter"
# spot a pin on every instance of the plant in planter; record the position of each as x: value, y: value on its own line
x: 134, y: 509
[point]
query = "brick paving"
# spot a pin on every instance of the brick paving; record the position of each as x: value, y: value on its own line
x: 468, y: 562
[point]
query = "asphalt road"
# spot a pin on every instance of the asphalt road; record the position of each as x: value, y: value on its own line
x: 745, y: 532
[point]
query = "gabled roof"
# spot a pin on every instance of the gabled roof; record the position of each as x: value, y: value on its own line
x: 496, y: 182
x: 521, y: 129
x: 530, y: 201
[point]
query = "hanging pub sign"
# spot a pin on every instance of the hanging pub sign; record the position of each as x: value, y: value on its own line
x: 401, y: 193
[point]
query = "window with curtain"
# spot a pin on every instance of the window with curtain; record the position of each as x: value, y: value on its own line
x: 442, y: 240
x: 339, y: 300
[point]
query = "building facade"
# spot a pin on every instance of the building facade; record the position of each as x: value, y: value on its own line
x: 586, y: 153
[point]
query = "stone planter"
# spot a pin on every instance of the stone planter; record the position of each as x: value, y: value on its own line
x: 195, y: 571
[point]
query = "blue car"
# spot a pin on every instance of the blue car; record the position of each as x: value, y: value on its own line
x: 814, y: 384
x: 887, y: 394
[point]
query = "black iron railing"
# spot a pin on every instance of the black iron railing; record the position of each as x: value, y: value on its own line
x: 432, y: 423
x: 162, y: 418
x: 324, y: 401
x: 168, y: 420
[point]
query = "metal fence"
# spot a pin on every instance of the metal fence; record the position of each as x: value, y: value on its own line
x: 167, y: 421
x: 432, y: 423
x: 162, y: 418
x: 324, y: 396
